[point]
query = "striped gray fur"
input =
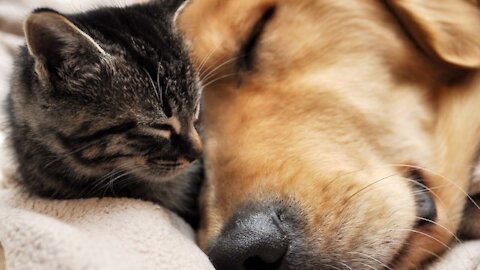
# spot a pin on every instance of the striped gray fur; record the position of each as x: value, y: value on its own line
x: 105, y: 103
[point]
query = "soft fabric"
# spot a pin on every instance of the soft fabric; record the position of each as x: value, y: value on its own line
x: 94, y: 234
x: 102, y: 233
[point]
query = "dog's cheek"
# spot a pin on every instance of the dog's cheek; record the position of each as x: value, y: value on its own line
x: 210, y: 223
x: 470, y: 227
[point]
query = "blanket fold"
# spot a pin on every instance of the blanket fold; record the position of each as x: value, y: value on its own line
x: 94, y: 234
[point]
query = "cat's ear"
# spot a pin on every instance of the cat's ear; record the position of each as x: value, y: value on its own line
x: 52, y: 40
x: 173, y: 6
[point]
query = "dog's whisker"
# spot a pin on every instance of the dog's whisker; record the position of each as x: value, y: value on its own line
x: 432, y: 254
x: 457, y: 239
x: 425, y: 188
x: 441, y: 226
x: 428, y: 236
x: 446, y: 179
x: 346, y: 203
x: 431, y: 188
x: 371, y: 258
x: 348, y: 200
x: 371, y: 189
x: 407, y: 244
x: 339, y: 177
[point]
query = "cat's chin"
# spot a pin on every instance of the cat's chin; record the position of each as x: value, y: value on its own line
x: 160, y: 175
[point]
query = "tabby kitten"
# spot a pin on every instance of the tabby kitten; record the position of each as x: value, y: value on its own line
x: 104, y: 103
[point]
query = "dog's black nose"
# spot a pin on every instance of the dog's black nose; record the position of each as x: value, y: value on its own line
x: 253, y: 239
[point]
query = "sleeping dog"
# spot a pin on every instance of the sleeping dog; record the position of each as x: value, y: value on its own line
x: 339, y: 134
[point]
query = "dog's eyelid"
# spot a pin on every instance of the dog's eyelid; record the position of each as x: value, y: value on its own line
x: 426, y: 208
x: 245, y: 56
x: 418, y: 176
x: 415, y: 174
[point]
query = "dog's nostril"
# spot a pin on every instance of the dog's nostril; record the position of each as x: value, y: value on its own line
x: 255, y: 263
x: 252, y: 240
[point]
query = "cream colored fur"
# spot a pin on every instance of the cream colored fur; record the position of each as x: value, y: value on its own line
x: 353, y: 93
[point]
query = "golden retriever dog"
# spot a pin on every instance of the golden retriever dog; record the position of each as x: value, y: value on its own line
x: 338, y: 134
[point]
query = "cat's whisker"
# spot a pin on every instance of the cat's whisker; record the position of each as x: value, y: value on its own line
x: 98, y: 183
x: 120, y: 169
x: 220, y: 78
x: 207, y: 57
x: 68, y: 154
x: 109, y: 183
x: 368, y: 266
x: 212, y: 72
x: 346, y: 266
x: 333, y: 267
x: 153, y: 85
x: 159, y: 89
x: 168, y: 162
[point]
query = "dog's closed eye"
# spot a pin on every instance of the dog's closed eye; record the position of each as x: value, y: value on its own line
x: 426, y: 208
x: 247, y: 52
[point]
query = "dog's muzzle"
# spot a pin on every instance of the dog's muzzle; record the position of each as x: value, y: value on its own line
x: 254, y: 238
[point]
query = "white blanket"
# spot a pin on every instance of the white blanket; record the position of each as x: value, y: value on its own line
x: 94, y: 234
x: 101, y: 233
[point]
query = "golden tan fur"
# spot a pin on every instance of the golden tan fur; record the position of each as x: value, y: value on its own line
x: 344, y: 98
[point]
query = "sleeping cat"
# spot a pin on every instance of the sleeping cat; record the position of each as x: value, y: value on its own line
x: 104, y: 103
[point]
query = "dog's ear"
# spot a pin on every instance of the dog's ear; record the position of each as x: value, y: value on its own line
x: 446, y: 29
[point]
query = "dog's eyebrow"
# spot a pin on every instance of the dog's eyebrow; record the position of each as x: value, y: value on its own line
x: 245, y: 58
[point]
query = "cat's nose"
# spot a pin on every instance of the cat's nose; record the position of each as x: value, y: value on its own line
x: 192, y: 154
x: 194, y: 150
x: 254, y: 239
